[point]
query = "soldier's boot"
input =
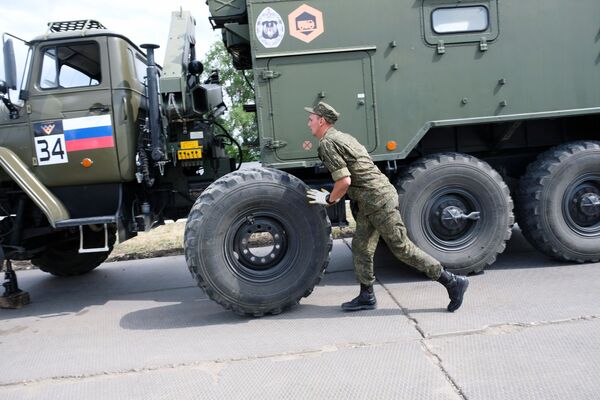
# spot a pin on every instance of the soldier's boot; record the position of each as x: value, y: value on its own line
x: 364, y: 301
x: 456, y: 286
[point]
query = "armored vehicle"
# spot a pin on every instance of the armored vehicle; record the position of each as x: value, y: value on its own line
x: 472, y: 108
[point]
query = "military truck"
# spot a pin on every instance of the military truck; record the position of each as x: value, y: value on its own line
x: 465, y: 105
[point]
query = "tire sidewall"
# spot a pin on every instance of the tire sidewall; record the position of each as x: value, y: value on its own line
x: 479, y: 183
x: 307, y: 241
x: 570, y: 243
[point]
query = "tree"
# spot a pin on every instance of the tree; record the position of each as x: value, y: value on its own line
x: 237, y: 92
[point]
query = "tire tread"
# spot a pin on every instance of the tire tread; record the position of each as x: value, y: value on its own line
x: 197, y: 214
x: 531, y: 185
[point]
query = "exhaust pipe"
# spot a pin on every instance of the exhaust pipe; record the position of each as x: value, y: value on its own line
x: 155, y: 124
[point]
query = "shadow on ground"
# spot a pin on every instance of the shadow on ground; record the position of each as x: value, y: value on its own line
x: 167, y: 280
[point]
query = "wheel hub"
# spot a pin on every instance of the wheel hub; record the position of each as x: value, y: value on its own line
x: 584, y: 205
x: 590, y: 204
x: 449, y: 220
x: 452, y: 218
x: 260, y: 242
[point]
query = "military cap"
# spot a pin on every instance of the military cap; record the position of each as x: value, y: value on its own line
x: 324, y: 110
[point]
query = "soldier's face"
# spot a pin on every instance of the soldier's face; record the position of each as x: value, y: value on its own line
x: 315, y: 123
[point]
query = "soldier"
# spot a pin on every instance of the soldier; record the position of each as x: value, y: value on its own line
x: 354, y: 173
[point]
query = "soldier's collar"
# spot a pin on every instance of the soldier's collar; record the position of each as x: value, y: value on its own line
x: 328, y: 131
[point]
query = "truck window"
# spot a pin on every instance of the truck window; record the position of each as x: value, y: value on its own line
x: 139, y: 65
x: 69, y: 66
x: 460, y: 19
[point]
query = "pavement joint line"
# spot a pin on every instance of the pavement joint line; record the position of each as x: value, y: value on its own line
x: 429, y: 353
x: 437, y: 361
x: 486, y: 330
x: 214, y: 367
x: 404, y: 310
x: 211, y: 367
x: 510, y: 327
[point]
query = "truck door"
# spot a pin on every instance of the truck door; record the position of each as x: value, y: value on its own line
x: 71, y: 113
x: 343, y: 80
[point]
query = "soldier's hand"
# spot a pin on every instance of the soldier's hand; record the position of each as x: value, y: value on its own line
x: 317, y: 197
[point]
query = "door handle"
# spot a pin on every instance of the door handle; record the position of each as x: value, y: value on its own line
x: 101, y: 108
x: 124, y: 108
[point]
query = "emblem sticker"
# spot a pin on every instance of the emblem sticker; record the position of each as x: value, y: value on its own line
x: 269, y: 28
x: 306, y: 23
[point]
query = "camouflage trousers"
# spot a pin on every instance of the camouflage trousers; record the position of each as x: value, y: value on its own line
x: 388, y: 223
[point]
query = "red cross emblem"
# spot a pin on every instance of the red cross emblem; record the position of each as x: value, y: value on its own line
x: 307, y: 145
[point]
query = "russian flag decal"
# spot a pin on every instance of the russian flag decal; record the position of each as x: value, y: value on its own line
x: 88, y: 133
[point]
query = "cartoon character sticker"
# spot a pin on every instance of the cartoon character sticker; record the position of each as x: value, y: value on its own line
x: 269, y: 28
x: 306, y: 23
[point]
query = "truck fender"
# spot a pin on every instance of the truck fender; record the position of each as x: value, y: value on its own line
x: 50, y: 205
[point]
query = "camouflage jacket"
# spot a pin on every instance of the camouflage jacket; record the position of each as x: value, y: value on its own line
x: 344, y: 156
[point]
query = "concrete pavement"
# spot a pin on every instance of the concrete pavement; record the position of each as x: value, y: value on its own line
x: 142, y: 330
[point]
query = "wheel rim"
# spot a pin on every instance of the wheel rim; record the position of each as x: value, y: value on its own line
x: 259, y: 263
x: 581, y: 205
x: 446, y: 221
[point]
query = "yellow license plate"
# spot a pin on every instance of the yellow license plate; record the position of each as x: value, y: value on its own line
x: 189, y: 144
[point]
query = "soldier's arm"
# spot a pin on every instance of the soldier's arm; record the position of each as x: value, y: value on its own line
x: 339, y: 189
x: 333, y: 160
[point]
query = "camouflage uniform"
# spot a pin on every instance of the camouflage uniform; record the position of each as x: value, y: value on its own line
x: 377, y: 202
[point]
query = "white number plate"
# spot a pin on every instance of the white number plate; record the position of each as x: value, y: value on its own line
x: 51, y: 149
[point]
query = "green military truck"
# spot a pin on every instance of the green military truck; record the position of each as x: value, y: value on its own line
x: 472, y: 108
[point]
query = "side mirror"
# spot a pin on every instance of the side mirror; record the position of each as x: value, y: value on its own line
x: 10, y: 66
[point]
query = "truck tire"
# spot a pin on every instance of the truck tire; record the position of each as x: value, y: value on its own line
x: 63, y: 258
x: 438, y: 192
x: 220, y: 228
x: 558, y: 202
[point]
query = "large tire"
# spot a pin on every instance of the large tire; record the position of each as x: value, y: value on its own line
x: 62, y: 257
x: 220, y: 226
x: 438, y: 191
x: 558, y: 202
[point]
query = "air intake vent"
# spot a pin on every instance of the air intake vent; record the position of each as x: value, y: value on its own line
x: 80, y: 25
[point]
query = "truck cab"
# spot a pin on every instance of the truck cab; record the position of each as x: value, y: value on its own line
x: 87, y: 155
x: 84, y: 95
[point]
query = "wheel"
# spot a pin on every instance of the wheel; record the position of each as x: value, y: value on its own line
x: 226, y: 221
x: 558, y: 202
x: 62, y: 257
x: 457, y: 209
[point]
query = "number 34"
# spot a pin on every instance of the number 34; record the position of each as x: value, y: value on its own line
x: 51, y: 150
